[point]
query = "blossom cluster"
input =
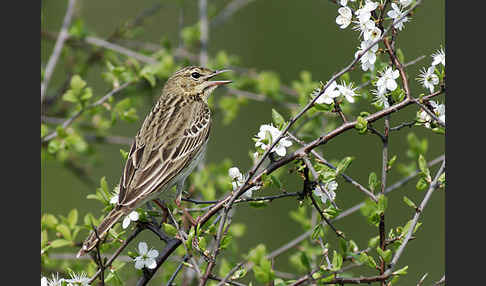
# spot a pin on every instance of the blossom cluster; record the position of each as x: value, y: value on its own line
x: 75, y: 280
x: 237, y: 180
x: 334, y: 90
x: 427, y: 76
x: 329, y: 187
x: 429, y: 79
x: 365, y: 24
x: 437, y: 109
x: 269, y: 134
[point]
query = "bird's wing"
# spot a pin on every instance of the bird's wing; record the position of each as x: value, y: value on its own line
x: 170, y: 137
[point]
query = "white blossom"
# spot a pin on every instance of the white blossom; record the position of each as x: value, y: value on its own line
x: 369, y: 58
x: 347, y: 91
x: 146, y: 257
x: 78, y: 279
x: 363, y: 27
x: 438, y: 58
x: 364, y: 13
x: 238, y: 180
x: 387, y: 80
x: 437, y: 109
x: 282, y: 145
x: 405, y: 3
x: 133, y: 216
x: 380, y: 98
x: 372, y: 34
x: 396, y: 13
x: 424, y: 117
x: 428, y: 78
x: 344, y: 17
x: 55, y: 281
x: 330, y: 188
x: 235, y: 173
x: 329, y: 94
x: 343, y: 2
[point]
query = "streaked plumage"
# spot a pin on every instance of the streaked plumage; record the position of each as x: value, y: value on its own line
x: 170, y: 143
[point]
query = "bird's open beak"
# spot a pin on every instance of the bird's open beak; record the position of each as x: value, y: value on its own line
x: 217, y: 82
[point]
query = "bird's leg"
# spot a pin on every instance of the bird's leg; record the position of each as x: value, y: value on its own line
x: 180, y: 187
x: 165, y: 210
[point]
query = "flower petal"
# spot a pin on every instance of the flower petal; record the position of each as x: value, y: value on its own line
x: 139, y: 263
x: 126, y: 222
x: 391, y: 84
x: 142, y: 248
x: 153, y: 253
x: 150, y: 263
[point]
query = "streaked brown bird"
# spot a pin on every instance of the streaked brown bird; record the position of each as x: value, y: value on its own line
x: 168, y: 146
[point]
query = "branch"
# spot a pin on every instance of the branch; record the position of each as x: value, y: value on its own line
x: 434, y: 185
x: 70, y: 120
x: 204, y: 37
x: 63, y: 35
x: 228, y: 11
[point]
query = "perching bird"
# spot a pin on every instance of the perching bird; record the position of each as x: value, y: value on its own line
x: 170, y: 143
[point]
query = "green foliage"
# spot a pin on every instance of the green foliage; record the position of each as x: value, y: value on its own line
x: 78, y: 92
x: 361, y: 124
x: 373, y: 210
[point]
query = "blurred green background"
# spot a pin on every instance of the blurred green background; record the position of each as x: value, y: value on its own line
x: 287, y: 37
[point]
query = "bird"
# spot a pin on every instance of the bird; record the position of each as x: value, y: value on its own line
x: 168, y: 146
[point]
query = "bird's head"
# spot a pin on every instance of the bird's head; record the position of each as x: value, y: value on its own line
x: 194, y: 80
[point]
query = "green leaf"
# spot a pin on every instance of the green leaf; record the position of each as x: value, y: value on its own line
x: 169, y: 229
x: 72, y: 218
x: 392, y: 161
x: 361, y: 124
x: 382, y: 203
x: 77, y: 83
x: 409, y: 202
x: 373, y: 241
x: 49, y: 220
x: 256, y: 254
x: 343, y: 165
x: 225, y: 242
x: 401, y: 271
x: 60, y: 243
x: 422, y: 184
x: 278, y: 119
x: 372, y: 181
x: 423, y: 167
x: 386, y: 255
x: 64, y: 230
x: 337, y: 261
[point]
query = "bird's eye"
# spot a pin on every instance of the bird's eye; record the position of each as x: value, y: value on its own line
x: 195, y: 75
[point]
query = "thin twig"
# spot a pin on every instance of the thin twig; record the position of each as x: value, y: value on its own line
x: 63, y: 35
x: 77, y: 114
x: 204, y: 29
x: 228, y: 11
x: 433, y: 185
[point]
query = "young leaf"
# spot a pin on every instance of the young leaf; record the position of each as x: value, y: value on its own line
x: 409, y: 202
x: 277, y: 119
x: 343, y: 165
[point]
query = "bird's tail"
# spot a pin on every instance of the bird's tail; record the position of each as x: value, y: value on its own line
x: 101, y: 231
